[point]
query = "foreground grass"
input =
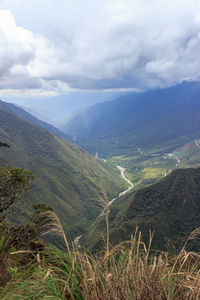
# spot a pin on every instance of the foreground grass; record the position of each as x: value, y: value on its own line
x: 129, y: 270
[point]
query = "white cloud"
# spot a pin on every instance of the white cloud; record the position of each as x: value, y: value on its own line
x: 25, y: 59
x: 56, y: 45
x: 27, y: 93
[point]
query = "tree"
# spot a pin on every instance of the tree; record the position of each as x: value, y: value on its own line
x: 14, y: 183
x: 4, y: 145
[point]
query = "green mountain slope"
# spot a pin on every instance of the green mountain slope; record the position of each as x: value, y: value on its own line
x: 21, y: 113
x: 167, y: 117
x: 67, y: 178
x: 170, y: 207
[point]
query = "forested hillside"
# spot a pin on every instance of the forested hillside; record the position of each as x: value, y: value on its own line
x: 66, y: 177
x: 170, y: 208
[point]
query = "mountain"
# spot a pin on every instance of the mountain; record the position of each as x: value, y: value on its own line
x: 59, y: 109
x: 21, y: 113
x: 67, y: 177
x: 166, y: 117
x: 170, y: 207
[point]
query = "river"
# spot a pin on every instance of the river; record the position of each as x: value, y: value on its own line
x: 122, y: 171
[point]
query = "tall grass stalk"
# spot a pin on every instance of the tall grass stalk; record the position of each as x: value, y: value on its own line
x: 129, y: 270
x: 47, y: 222
x: 107, y: 212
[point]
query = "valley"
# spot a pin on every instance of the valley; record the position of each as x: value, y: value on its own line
x: 122, y: 171
x: 123, y: 176
x: 100, y: 150
x: 121, y: 162
x: 139, y: 145
x: 67, y: 178
x: 144, y: 170
x: 145, y: 167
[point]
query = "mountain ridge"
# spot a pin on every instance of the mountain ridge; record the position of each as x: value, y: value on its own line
x: 148, y: 119
x: 170, y: 208
x: 21, y: 113
x: 67, y: 177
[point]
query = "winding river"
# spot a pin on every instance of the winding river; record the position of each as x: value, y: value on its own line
x: 122, y: 171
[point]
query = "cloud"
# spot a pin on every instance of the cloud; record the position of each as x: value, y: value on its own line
x: 57, y: 45
x: 25, y: 58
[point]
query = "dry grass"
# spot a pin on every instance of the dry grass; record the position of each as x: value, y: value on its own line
x: 130, y: 270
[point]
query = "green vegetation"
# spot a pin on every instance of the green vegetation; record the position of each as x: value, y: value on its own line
x: 170, y: 207
x: 115, y: 261
x: 14, y: 183
x: 130, y: 270
x: 144, y: 170
x: 67, y: 178
x: 147, y: 166
x: 22, y: 114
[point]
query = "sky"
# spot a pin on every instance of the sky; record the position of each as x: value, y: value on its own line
x: 52, y: 47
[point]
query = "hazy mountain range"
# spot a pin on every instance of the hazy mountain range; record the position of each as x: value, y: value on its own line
x: 165, y: 117
x: 21, y: 113
x: 58, y: 110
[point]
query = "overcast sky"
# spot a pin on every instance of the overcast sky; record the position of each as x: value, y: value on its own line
x: 49, y: 47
